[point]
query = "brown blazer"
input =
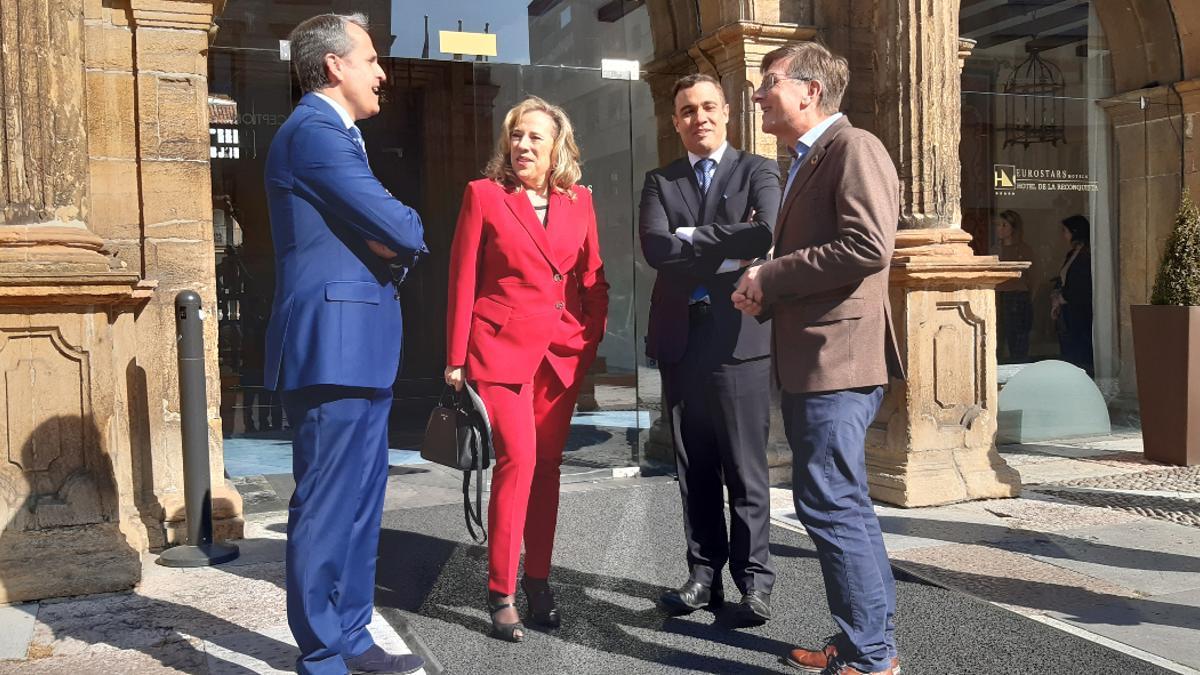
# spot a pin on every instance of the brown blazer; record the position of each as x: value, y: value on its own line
x: 827, y: 286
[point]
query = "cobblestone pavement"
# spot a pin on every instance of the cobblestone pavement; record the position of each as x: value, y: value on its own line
x: 1174, y: 493
x: 1162, y: 478
x: 1172, y: 509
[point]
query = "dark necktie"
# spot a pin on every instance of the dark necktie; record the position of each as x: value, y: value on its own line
x: 705, y: 169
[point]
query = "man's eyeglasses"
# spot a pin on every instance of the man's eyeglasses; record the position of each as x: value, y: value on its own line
x: 771, y: 79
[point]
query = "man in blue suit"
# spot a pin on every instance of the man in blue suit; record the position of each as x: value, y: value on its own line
x: 333, y: 344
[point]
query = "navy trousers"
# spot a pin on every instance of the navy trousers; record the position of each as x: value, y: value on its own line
x: 827, y: 432
x: 339, y: 461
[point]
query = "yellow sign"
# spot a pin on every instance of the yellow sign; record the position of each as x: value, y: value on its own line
x: 1004, y: 176
x: 472, y: 44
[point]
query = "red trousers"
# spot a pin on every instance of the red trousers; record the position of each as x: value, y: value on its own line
x: 530, y: 423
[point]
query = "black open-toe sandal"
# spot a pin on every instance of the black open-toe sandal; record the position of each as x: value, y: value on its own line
x: 511, y: 632
x: 542, y: 610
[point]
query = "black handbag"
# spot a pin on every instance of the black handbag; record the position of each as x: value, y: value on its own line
x: 459, y: 435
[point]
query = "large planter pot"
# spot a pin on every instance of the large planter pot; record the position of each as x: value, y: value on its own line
x: 1166, y: 348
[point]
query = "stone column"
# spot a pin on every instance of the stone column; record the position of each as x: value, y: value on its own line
x: 933, y: 441
x: 66, y: 310
x: 170, y: 70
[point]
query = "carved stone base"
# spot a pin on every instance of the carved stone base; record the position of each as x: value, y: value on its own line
x: 69, y: 485
x: 224, y: 529
x: 57, y: 562
x: 226, y: 514
x: 933, y: 441
x: 934, y: 477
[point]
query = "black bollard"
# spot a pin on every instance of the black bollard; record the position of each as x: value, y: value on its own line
x: 200, y: 549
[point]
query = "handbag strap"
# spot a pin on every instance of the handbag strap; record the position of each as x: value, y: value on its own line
x: 474, y: 517
x: 449, y: 398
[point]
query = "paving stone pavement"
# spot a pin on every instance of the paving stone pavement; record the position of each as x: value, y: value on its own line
x: 1101, y: 544
x: 1101, y: 541
x: 228, y: 620
x: 1156, y: 491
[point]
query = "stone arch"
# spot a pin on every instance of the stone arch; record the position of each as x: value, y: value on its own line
x: 1144, y: 42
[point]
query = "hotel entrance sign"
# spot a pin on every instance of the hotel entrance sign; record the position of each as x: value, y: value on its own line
x: 1009, y: 179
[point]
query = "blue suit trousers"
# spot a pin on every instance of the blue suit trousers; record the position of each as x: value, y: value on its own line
x: 340, y: 462
x: 827, y: 433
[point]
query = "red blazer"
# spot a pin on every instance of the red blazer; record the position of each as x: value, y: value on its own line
x: 521, y: 292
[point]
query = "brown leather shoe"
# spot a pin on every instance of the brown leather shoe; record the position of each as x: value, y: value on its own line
x: 810, y: 661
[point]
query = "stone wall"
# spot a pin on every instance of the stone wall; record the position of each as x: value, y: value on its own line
x: 104, y: 215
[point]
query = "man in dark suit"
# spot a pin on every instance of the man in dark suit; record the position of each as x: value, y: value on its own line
x: 826, y: 290
x: 702, y: 217
x: 333, y: 343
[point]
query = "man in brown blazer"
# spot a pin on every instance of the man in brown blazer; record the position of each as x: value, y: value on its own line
x: 832, y: 343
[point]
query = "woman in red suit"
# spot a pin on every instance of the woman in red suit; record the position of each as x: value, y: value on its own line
x: 527, y: 310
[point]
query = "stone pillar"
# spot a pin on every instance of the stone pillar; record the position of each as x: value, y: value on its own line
x: 66, y: 498
x: 104, y: 196
x: 170, y: 86
x: 933, y: 441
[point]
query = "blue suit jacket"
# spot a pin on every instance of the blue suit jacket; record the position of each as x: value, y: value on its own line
x: 335, y: 318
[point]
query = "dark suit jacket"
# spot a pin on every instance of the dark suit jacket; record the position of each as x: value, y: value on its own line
x: 827, y: 286
x: 743, y: 183
x: 521, y: 292
x: 335, y: 318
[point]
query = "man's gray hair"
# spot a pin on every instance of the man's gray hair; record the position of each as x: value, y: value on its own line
x: 811, y: 61
x: 316, y: 37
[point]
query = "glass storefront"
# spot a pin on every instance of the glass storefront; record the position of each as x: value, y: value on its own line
x: 1037, y: 150
x: 440, y: 117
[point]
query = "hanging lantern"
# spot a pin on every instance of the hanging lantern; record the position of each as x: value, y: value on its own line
x: 1034, y: 103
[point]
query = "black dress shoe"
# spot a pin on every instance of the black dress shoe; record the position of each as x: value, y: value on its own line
x: 754, y: 609
x: 375, y: 660
x: 692, y: 596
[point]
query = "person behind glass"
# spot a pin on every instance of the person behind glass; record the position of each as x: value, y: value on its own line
x: 527, y: 309
x: 702, y: 218
x: 1013, y: 298
x: 333, y: 342
x: 1071, y: 299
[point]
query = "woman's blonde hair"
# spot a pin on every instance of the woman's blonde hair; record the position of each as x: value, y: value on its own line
x: 564, y: 156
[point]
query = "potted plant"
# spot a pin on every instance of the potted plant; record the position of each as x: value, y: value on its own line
x: 1166, y: 344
